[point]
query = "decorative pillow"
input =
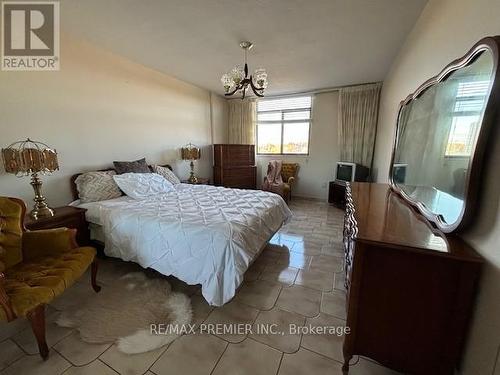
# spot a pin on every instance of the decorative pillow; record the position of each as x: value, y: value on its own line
x: 97, y: 186
x: 138, y: 166
x: 167, y: 174
x: 142, y: 185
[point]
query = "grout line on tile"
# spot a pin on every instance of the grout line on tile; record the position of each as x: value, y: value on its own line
x: 322, y: 355
x: 263, y: 343
x: 31, y: 332
x: 252, y: 323
x: 85, y: 364
x: 256, y: 308
x: 105, y: 364
x: 16, y: 344
x: 218, y: 360
x: 105, y: 351
x: 281, y: 360
x: 161, y: 354
x: 10, y: 364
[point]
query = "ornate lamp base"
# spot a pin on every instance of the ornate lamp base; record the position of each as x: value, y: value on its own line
x: 37, y: 213
x: 41, y: 209
x: 192, y: 178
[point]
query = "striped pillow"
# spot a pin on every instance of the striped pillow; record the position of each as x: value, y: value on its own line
x: 167, y: 174
x: 97, y: 186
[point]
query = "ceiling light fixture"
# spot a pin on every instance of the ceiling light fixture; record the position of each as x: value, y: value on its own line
x: 238, y: 80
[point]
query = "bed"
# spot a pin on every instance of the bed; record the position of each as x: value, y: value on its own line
x: 200, y: 234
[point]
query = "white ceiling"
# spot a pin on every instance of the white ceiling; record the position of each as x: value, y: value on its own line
x: 304, y: 44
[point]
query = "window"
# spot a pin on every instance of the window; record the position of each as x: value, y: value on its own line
x: 467, y: 113
x: 283, y: 125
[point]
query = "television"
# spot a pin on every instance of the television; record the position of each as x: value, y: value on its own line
x: 350, y: 172
x: 399, y: 173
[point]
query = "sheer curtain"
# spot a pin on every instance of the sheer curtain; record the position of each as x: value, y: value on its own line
x: 242, y: 117
x: 358, y: 113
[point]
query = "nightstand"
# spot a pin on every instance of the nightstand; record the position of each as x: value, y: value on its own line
x: 67, y: 216
x: 336, y: 194
x: 201, y: 181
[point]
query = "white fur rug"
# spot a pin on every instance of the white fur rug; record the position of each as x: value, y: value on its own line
x: 124, y: 311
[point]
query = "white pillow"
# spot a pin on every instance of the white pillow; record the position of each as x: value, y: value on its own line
x: 142, y: 185
x: 167, y: 173
x: 97, y: 186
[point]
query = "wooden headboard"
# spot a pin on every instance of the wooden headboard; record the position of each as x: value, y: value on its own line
x: 74, y: 190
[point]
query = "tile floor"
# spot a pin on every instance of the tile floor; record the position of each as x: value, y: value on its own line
x: 296, y: 280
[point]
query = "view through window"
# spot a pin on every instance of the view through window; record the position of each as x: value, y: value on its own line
x: 283, y: 125
x: 469, y: 105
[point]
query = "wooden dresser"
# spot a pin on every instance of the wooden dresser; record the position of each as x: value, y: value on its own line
x: 234, y: 166
x: 410, y: 288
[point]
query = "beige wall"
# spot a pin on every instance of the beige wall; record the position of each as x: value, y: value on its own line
x: 318, y: 167
x: 446, y: 30
x: 101, y: 107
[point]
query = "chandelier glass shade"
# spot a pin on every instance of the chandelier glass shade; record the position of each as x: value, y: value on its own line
x: 238, y: 80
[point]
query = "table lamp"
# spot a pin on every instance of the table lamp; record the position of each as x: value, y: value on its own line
x: 26, y: 158
x: 192, y: 153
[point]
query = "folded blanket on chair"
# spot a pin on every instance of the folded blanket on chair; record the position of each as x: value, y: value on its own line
x: 273, y: 181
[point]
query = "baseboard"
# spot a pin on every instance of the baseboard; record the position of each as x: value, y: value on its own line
x: 314, y: 199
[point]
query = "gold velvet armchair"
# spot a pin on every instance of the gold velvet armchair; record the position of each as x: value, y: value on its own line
x: 36, y: 267
x: 289, y: 172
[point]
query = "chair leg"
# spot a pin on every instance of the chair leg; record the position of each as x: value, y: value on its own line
x: 287, y: 197
x: 93, y: 276
x: 37, y: 320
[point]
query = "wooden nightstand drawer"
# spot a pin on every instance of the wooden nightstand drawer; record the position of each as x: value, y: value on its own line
x: 68, y: 217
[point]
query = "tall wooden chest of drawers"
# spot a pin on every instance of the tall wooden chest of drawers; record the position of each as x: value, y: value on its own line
x: 234, y: 166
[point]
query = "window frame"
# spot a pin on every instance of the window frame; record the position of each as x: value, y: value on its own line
x: 457, y: 115
x: 282, y: 124
x: 463, y: 113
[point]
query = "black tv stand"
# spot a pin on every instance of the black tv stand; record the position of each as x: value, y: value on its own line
x: 336, y: 193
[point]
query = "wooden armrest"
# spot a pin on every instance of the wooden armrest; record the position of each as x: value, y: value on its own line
x: 5, y: 301
x: 48, y: 242
x: 291, y: 180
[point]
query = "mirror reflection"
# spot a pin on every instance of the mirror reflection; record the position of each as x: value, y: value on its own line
x: 437, y: 133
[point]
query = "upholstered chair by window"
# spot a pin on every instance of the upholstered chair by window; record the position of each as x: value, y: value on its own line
x: 289, y: 173
x: 36, y: 267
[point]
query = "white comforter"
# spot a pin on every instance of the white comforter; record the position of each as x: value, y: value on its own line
x: 200, y: 234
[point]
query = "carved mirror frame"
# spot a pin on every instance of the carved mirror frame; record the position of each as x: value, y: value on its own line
x: 490, y: 120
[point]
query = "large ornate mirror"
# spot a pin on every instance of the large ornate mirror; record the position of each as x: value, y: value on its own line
x: 442, y: 133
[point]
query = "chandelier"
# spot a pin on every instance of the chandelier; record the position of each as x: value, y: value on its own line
x: 238, y: 80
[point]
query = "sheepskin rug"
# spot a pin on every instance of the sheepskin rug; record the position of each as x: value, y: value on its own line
x: 123, y: 312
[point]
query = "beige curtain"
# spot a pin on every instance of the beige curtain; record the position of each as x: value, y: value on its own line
x: 358, y: 113
x: 242, y: 117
